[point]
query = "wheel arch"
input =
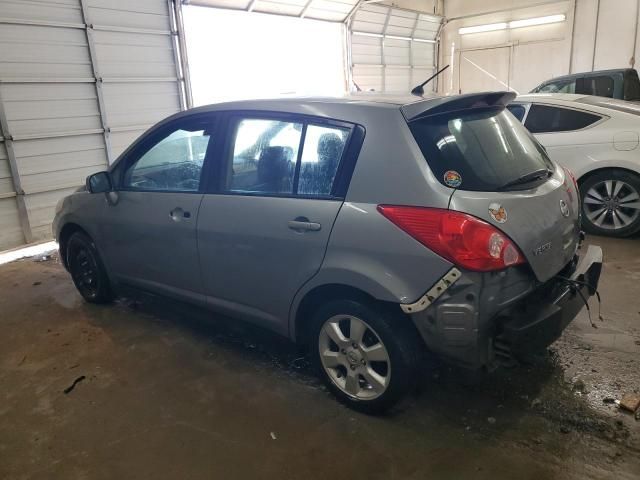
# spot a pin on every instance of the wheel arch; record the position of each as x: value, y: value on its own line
x: 63, y: 238
x: 300, y: 327
x: 630, y: 226
x: 596, y: 171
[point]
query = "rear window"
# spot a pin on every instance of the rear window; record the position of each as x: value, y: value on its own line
x: 631, y: 85
x: 479, y: 150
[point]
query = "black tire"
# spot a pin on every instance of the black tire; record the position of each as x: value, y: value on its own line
x: 624, y: 185
x: 87, y: 270
x: 399, y: 338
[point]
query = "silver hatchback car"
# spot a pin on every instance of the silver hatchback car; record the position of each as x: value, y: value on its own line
x: 367, y: 229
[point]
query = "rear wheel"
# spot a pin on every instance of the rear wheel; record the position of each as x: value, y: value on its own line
x: 365, y: 358
x: 611, y: 203
x: 87, y: 270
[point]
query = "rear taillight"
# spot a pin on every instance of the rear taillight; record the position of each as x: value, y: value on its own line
x: 465, y: 241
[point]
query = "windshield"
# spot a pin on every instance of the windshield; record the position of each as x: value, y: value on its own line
x: 560, y: 86
x: 480, y: 150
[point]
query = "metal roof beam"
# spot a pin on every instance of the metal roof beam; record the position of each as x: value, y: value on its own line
x: 306, y: 7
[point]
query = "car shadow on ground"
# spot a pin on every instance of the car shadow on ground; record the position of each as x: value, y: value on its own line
x: 477, y: 402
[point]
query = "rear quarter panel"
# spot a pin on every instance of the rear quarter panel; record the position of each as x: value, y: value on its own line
x: 593, y: 148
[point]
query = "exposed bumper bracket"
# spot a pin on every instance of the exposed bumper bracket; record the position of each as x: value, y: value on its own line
x: 451, y: 277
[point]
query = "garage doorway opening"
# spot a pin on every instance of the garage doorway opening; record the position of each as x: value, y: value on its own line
x: 239, y: 55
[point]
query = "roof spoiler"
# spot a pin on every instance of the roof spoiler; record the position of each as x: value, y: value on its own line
x: 417, y: 110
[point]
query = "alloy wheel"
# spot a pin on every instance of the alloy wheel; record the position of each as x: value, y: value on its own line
x: 612, y: 204
x: 354, y: 357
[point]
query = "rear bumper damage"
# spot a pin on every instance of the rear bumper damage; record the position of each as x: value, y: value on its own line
x: 482, y: 319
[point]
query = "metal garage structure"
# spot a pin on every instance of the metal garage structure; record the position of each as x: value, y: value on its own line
x: 79, y: 80
x: 329, y: 10
x: 392, y: 50
x: 389, y: 49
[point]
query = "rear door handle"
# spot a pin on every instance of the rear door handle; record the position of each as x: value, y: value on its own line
x: 178, y: 214
x: 300, y: 225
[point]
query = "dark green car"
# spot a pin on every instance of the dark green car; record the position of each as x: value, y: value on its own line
x: 622, y: 84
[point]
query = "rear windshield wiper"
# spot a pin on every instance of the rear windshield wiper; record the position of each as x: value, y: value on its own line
x: 526, y: 178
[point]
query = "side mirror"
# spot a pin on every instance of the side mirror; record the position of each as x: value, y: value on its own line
x: 99, y: 183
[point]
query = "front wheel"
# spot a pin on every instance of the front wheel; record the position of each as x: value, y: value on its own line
x: 87, y: 271
x: 365, y: 358
x: 611, y: 203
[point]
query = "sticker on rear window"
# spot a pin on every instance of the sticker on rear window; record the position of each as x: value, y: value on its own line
x: 498, y: 213
x: 452, y: 179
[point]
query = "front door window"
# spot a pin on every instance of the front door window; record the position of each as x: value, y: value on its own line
x: 174, y: 163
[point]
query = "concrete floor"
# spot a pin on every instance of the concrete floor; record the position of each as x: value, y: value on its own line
x: 169, y: 393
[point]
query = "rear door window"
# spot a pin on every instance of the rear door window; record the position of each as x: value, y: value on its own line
x: 599, y: 85
x: 264, y: 156
x: 285, y: 157
x: 322, y: 151
x: 548, y: 119
x: 479, y: 150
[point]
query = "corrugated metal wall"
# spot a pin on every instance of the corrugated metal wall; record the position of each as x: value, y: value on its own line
x: 392, y: 50
x: 79, y: 80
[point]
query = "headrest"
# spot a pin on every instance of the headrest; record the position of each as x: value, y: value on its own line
x: 274, y: 163
x: 329, y: 148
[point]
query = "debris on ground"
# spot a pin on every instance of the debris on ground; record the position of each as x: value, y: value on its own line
x: 273, y: 436
x: 299, y: 363
x: 491, y: 420
x: 630, y: 402
x: 43, y: 258
x: 35, y: 284
x: 579, y: 386
x: 608, y: 400
x: 73, y: 385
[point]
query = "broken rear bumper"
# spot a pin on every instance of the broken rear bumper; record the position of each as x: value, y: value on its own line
x: 484, y: 318
x: 540, y: 320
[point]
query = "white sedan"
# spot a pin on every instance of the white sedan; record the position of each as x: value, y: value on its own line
x: 598, y: 139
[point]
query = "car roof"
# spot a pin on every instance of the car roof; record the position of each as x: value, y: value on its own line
x: 373, y: 100
x: 550, y: 97
x: 580, y: 74
x: 412, y: 107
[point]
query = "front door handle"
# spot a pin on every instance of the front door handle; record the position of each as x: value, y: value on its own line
x: 177, y: 214
x: 302, y: 224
